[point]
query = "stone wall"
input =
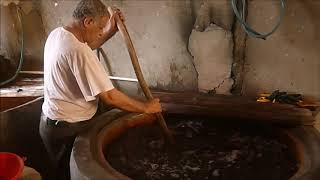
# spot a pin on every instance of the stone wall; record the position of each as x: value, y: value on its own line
x: 289, y: 59
x: 160, y: 30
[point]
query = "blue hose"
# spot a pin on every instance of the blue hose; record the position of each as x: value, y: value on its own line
x: 241, y: 18
x: 21, y: 52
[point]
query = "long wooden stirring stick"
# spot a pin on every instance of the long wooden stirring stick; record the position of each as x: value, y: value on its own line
x: 136, y: 66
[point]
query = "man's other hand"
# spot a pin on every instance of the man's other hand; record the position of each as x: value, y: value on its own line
x: 111, y: 27
x: 153, y: 106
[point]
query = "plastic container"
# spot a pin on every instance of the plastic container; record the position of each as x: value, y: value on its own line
x: 11, y: 166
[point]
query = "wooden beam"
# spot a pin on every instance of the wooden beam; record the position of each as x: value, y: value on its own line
x: 234, y: 107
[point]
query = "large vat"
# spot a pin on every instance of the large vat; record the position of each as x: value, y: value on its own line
x: 291, y: 125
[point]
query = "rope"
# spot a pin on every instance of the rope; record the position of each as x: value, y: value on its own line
x: 241, y: 18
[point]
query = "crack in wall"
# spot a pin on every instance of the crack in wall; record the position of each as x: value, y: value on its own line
x: 221, y: 83
x: 192, y: 62
x: 237, y: 68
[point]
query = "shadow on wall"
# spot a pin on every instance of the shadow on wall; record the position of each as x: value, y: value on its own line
x: 33, y: 30
x: 34, y: 35
x: 6, y: 68
x: 9, y: 40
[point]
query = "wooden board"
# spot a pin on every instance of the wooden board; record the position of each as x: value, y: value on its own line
x: 234, y: 107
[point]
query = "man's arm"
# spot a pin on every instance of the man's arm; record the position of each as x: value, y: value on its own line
x: 122, y: 101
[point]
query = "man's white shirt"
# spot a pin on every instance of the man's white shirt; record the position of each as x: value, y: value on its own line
x: 73, y: 77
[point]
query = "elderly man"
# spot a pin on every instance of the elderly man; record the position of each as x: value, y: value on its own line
x: 74, y: 81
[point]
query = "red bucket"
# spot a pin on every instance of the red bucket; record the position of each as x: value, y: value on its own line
x: 11, y: 166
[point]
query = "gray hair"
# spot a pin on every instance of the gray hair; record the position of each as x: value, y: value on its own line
x: 90, y: 8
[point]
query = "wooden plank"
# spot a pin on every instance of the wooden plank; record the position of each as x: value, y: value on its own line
x: 234, y: 107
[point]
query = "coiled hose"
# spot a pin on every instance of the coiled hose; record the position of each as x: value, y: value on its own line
x: 21, y: 52
x: 241, y: 18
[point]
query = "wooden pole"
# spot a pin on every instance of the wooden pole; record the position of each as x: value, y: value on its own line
x: 136, y: 66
